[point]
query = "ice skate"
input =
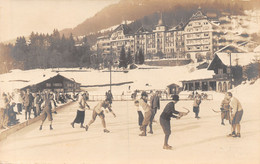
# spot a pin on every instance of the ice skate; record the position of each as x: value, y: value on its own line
x: 40, y: 127
x: 51, y: 127
x: 167, y: 147
x: 142, y: 134
x: 151, y: 132
x: 72, y: 124
x: 106, y: 131
x: 81, y: 126
x: 86, y: 128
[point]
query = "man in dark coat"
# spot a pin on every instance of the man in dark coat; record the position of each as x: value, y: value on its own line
x: 165, y: 118
x: 155, y: 104
x: 28, y: 100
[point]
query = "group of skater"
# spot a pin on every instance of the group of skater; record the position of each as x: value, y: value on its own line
x: 98, y: 110
x: 231, y: 110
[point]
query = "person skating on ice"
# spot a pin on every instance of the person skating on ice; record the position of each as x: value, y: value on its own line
x: 147, y: 112
x: 155, y: 105
x: 46, y: 106
x: 82, y: 104
x: 140, y: 114
x: 196, y: 105
x: 236, y: 112
x: 224, y: 107
x: 99, y: 111
x: 165, y: 118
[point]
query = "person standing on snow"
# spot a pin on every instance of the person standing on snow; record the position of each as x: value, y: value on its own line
x: 236, y: 111
x: 140, y: 114
x: 155, y: 105
x: 196, y: 105
x: 80, y: 117
x: 165, y: 119
x: 98, y: 111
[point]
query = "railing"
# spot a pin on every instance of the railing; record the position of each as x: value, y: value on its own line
x: 220, y: 76
x: 162, y: 97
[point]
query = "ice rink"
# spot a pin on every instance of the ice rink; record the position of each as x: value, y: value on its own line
x: 194, y: 141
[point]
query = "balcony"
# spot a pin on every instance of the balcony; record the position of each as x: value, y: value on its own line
x: 220, y: 76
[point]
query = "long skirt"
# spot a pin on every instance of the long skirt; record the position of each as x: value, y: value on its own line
x: 80, y: 117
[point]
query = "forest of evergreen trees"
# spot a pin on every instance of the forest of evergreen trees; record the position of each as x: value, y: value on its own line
x: 47, y: 51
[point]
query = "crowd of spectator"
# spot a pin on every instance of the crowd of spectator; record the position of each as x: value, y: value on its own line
x: 13, y: 104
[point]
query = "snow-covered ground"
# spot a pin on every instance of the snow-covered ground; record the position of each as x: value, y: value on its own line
x: 144, y: 78
x: 194, y: 141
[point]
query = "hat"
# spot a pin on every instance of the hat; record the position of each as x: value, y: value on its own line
x: 144, y: 94
x: 175, y: 97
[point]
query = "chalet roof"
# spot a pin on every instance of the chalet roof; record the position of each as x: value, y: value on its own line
x: 19, y: 79
x: 125, y: 28
x: 241, y: 59
x: 233, y: 48
x: 199, y: 75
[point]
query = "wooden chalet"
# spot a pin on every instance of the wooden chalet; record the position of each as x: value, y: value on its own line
x: 222, y: 79
x: 55, y: 83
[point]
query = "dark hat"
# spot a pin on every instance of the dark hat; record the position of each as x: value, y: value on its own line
x: 175, y: 97
x: 144, y: 94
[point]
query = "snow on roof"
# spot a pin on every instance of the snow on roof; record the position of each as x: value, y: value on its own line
x: 241, y: 59
x: 199, y: 74
x: 18, y: 79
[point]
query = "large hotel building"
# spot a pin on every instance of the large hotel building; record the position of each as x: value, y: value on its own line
x: 182, y: 41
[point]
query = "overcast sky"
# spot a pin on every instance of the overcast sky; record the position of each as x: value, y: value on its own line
x: 21, y: 17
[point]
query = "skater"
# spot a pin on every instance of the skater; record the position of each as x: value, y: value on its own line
x: 28, y: 100
x: 46, y: 106
x: 19, y: 101
x: 196, y: 105
x: 165, y: 119
x: 225, y: 114
x: 80, y: 117
x: 147, y: 112
x: 155, y: 105
x: 109, y: 96
x: 236, y: 112
x: 37, y: 103
x: 98, y: 110
x: 140, y: 114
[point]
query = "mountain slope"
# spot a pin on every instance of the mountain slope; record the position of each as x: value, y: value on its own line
x: 137, y: 9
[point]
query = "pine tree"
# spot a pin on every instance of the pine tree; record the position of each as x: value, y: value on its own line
x: 141, y: 56
x: 136, y: 58
x: 122, y: 58
x: 129, y: 57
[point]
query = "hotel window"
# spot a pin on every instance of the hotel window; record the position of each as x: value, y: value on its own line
x: 57, y: 84
x: 220, y: 71
x: 198, y: 47
x: 206, y: 34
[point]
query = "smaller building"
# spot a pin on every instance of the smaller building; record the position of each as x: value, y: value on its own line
x: 37, y: 80
x: 57, y: 83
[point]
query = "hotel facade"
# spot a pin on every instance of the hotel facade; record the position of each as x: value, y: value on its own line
x: 189, y: 40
